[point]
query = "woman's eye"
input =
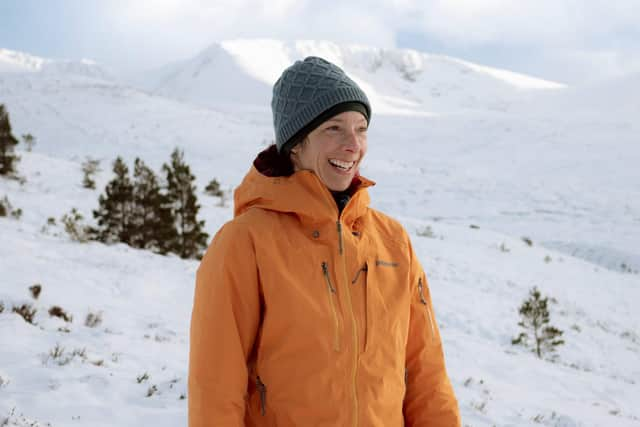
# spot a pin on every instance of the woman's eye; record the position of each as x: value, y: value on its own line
x: 334, y: 128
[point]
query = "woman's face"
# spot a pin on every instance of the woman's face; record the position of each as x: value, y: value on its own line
x: 334, y: 150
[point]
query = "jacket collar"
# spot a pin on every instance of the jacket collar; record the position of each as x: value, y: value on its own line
x: 302, y: 194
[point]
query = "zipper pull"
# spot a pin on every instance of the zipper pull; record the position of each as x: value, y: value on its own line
x: 421, y: 290
x: 325, y: 271
x: 424, y: 302
x: 364, y: 268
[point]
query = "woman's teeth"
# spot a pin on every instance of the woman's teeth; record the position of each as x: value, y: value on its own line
x: 342, y: 165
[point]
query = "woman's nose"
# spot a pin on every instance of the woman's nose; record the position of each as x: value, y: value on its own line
x: 352, y: 140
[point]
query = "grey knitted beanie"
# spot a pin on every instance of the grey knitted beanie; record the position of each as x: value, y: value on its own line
x: 307, y: 89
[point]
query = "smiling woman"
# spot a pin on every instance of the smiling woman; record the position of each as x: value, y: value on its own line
x: 310, y: 307
x: 334, y: 150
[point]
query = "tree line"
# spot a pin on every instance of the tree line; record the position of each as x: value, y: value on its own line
x: 142, y: 210
x: 145, y: 213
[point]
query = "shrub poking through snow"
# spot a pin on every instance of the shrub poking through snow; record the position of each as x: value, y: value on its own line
x: 528, y: 241
x: 213, y: 189
x: 29, y: 141
x: 56, y: 352
x: 537, y: 334
x: 60, y: 357
x: 89, y: 168
x: 77, y: 231
x: 57, y: 311
x: 1, y: 307
x: 223, y: 199
x: 426, y: 231
x: 16, y: 213
x: 152, y: 390
x: 35, y: 290
x: 142, y: 378
x: 26, y: 311
x: 7, y: 209
x: 93, y: 319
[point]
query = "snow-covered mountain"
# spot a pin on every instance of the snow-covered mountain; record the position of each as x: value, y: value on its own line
x: 452, y: 144
x: 400, y: 81
x: 12, y: 61
x: 20, y: 62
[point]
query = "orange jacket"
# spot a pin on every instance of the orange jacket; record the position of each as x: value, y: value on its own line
x: 302, y: 317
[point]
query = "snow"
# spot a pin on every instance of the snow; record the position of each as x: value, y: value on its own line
x: 512, y: 157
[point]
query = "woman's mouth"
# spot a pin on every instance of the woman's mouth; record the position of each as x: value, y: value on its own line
x: 342, y: 165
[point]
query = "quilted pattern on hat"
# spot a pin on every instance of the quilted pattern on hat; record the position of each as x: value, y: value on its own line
x: 307, y: 89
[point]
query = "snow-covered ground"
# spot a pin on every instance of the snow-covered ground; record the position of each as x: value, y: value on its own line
x: 451, y: 145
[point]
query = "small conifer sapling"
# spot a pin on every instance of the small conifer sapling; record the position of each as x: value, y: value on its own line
x: 534, y: 319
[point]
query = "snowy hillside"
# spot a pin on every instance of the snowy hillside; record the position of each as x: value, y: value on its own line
x: 492, y: 149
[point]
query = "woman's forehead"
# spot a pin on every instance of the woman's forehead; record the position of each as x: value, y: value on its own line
x: 347, y: 116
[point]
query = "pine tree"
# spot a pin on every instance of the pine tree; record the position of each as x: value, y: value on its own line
x: 191, y: 240
x: 8, y: 158
x: 115, y: 207
x: 535, y: 319
x: 153, y: 225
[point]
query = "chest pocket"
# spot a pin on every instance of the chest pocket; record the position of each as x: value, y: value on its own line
x: 385, y: 293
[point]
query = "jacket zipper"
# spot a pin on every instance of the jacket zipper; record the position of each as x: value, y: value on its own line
x: 332, y: 290
x: 426, y: 305
x: 353, y: 321
x: 262, y: 389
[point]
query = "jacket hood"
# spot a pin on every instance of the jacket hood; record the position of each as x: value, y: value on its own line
x: 302, y: 193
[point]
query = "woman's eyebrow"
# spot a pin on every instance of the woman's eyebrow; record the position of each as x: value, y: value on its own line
x: 336, y: 119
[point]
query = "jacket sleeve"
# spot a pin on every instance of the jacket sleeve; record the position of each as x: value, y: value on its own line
x: 224, y: 322
x: 429, y: 400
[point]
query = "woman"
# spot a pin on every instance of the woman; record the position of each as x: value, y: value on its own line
x: 311, y: 309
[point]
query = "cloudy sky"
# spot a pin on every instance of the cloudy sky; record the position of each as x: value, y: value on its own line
x: 571, y: 41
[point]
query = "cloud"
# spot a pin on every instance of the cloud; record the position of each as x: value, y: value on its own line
x: 463, y: 22
x: 561, y: 22
x: 230, y: 19
x: 587, y: 31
